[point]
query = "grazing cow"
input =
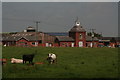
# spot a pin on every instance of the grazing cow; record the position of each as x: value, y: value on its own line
x: 13, y: 60
x: 52, y: 58
x: 28, y: 57
x: 4, y: 45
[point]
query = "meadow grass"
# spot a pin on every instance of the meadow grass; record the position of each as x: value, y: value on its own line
x: 71, y: 63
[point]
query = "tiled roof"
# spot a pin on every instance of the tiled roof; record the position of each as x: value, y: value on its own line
x: 30, y: 36
x: 24, y: 34
x: 10, y: 38
x: 64, y: 38
x: 77, y: 29
x: 109, y: 38
x: 89, y: 38
x: 16, y: 38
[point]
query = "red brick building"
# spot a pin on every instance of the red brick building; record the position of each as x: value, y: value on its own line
x: 78, y: 34
x: 76, y: 37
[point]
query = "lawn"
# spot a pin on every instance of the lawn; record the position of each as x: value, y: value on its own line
x: 71, y: 63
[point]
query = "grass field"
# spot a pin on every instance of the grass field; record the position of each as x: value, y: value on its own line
x: 71, y: 63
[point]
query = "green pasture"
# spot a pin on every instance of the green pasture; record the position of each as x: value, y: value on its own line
x: 71, y: 63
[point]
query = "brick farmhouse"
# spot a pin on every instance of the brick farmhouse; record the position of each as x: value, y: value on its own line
x: 76, y: 37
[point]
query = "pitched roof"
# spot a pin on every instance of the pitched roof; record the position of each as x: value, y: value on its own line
x: 64, y: 38
x: 30, y: 38
x: 10, y: 38
x: 16, y: 38
x: 24, y: 34
x: 89, y: 38
x: 77, y: 29
x: 109, y: 38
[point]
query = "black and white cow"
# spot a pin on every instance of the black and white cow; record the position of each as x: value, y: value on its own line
x: 52, y: 58
x: 28, y: 57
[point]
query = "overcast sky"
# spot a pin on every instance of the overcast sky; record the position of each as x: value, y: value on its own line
x: 59, y: 0
x: 60, y: 17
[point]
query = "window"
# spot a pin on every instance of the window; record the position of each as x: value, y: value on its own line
x: 33, y: 43
x: 80, y: 37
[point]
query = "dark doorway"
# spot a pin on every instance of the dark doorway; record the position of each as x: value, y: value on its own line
x: 106, y: 43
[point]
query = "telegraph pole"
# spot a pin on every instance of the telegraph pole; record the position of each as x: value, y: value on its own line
x: 92, y: 30
x: 101, y: 34
x: 37, y: 22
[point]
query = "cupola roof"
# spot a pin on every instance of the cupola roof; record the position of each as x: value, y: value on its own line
x: 77, y: 27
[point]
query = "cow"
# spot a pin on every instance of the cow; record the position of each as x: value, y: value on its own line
x: 28, y: 57
x: 4, y: 45
x: 13, y: 60
x: 52, y: 58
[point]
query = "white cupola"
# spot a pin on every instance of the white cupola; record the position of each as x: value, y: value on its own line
x: 77, y: 22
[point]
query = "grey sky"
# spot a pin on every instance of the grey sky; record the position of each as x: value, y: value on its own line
x: 60, y: 0
x: 60, y: 17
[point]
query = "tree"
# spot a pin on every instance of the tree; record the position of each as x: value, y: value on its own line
x: 95, y: 34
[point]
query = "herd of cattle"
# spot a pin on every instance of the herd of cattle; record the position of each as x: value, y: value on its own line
x: 51, y: 58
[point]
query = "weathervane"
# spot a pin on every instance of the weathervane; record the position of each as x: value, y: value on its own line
x: 77, y: 22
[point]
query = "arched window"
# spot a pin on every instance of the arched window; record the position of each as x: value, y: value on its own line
x: 80, y: 37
